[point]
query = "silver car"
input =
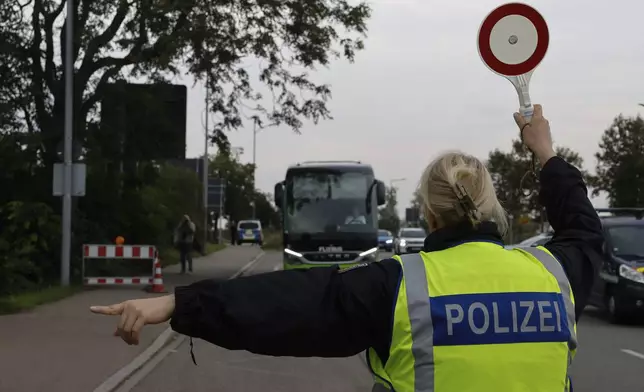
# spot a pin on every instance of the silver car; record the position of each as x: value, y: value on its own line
x: 409, y: 240
x: 537, y: 240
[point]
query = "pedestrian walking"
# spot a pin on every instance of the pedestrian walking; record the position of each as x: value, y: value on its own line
x: 184, y: 237
x: 465, y: 314
x: 232, y: 226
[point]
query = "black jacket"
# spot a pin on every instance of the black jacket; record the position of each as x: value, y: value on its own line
x: 325, y: 312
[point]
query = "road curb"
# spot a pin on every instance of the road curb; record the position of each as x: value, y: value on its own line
x: 120, y: 377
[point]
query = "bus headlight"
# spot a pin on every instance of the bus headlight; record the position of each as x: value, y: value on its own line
x: 389, y: 241
x: 368, y: 252
x: 369, y: 255
x: 292, y: 256
x: 292, y: 253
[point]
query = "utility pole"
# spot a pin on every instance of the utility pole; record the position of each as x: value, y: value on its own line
x: 392, y: 188
x: 65, y: 258
x: 205, y: 167
x: 254, y: 169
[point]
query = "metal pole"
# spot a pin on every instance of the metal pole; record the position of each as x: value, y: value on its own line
x: 221, y: 212
x: 205, y: 169
x: 254, y: 147
x: 391, y: 186
x: 65, y: 257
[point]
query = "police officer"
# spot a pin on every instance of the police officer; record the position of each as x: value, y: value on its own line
x: 463, y: 315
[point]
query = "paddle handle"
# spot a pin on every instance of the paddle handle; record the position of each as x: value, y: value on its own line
x: 526, y: 112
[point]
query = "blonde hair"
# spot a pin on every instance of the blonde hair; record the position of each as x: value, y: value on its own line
x: 439, y: 185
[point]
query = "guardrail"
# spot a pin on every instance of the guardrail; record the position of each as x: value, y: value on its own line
x: 154, y: 282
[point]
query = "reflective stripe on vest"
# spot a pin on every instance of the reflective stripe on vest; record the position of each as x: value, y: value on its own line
x: 419, y: 310
x: 554, y: 267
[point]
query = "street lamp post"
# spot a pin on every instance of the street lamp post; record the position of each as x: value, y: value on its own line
x: 254, y: 168
x: 65, y: 261
x: 256, y: 130
x: 204, y: 175
x: 395, y: 180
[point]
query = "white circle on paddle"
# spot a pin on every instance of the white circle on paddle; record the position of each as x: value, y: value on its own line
x: 525, y: 35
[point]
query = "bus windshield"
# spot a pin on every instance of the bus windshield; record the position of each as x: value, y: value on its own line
x: 323, y: 201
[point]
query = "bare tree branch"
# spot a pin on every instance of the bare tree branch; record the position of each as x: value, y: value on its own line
x: 36, y: 66
x: 30, y: 124
x: 50, y: 67
x: 104, y: 38
x: 136, y: 55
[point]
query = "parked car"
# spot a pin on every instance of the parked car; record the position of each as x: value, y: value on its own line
x: 385, y: 240
x: 537, y: 240
x: 250, y: 231
x: 619, y: 289
x: 409, y: 240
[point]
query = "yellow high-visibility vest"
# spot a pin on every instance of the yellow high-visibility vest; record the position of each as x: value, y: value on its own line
x: 480, y: 318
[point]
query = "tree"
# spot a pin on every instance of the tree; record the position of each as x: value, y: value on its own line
x: 240, y: 192
x: 150, y: 41
x: 388, y: 215
x: 265, y: 211
x: 620, y: 163
x: 517, y: 191
x: 13, y: 72
x: 157, y: 41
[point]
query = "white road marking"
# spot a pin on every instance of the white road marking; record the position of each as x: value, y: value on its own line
x: 633, y: 353
x: 128, y: 376
x: 149, y: 366
x: 248, y: 266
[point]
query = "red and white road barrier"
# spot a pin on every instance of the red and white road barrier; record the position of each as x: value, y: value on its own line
x: 134, y: 252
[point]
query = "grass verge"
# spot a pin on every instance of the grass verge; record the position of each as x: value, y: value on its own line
x: 29, y: 300
x: 212, y: 248
x: 170, y: 256
x: 273, y: 241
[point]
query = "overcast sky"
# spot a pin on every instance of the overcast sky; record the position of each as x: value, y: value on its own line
x: 419, y: 88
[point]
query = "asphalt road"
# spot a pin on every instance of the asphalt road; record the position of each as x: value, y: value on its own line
x: 223, y: 370
x: 610, y: 358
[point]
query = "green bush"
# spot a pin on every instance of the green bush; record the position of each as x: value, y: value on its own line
x: 145, y: 211
x: 29, y: 250
x: 273, y: 240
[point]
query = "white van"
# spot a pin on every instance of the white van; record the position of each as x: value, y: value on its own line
x: 250, y: 231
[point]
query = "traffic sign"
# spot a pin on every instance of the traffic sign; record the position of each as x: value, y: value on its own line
x: 513, y: 40
x: 412, y: 215
x: 216, y: 193
x: 79, y: 174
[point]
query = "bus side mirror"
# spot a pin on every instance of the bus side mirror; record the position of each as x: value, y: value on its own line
x: 279, y: 194
x: 381, y: 193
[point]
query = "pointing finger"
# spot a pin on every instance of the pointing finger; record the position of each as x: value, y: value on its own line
x: 112, y: 310
x: 538, y: 111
